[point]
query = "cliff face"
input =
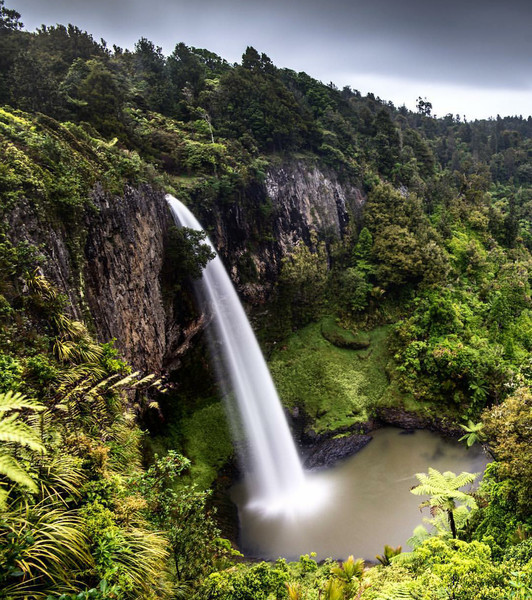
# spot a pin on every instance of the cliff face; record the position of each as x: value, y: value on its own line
x: 114, y: 276
x: 124, y: 252
x: 109, y: 267
x: 296, y: 200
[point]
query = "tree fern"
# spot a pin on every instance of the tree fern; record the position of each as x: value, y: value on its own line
x: 444, y: 492
x: 473, y: 433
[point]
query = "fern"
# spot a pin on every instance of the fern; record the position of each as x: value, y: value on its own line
x: 13, y: 433
x: 444, y: 492
x: 399, y: 592
x: 10, y: 401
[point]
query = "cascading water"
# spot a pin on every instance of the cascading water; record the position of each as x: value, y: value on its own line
x: 284, y: 511
x: 275, y: 474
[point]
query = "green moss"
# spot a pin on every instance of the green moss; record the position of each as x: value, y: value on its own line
x: 207, y: 442
x: 343, y: 338
x: 336, y: 387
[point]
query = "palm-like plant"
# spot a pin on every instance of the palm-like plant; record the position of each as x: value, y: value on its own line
x: 14, y: 432
x: 334, y: 590
x: 444, y: 492
x: 473, y: 433
x: 294, y: 591
x: 388, y: 554
x: 350, y: 569
x: 349, y: 574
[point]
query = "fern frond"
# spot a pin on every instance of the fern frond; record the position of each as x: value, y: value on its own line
x: 12, y: 469
x: 399, y: 591
x: 462, y: 479
x: 147, y: 379
x: 128, y: 380
x: 419, y: 535
x: 17, y: 432
x: 16, y: 401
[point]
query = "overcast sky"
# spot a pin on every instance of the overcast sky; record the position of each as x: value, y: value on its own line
x: 468, y: 57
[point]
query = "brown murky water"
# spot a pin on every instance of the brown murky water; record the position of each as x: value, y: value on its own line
x: 367, y: 500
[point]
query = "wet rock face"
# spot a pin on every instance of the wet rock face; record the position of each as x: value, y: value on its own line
x: 306, y: 199
x: 124, y: 252
x: 110, y: 266
x: 295, y: 200
x: 328, y: 452
x: 28, y: 223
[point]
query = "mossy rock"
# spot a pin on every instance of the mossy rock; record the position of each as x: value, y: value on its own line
x: 343, y: 338
x: 336, y: 388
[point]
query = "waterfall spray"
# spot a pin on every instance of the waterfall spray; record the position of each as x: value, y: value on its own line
x: 275, y: 474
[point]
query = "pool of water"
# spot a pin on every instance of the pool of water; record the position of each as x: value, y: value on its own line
x: 367, y: 501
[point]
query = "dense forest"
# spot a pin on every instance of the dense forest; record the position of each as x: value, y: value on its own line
x: 105, y: 471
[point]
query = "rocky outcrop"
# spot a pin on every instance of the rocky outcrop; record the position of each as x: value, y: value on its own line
x: 305, y: 199
x: 409, y: 421
x: 328, y: 452
x: 124, y: 253
x: 296, y: 199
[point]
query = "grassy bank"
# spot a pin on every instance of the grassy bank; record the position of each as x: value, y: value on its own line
x: 336, y: 387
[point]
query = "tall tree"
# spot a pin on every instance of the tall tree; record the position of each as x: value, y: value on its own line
x: 9, y: 18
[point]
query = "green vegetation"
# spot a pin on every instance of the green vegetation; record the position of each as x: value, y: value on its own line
x: 424, y: 304
x: 444, y: 492
x: 335, y: 386
x: 207, y: 440
x: 79, y: 515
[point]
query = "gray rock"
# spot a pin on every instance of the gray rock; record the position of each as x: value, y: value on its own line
x: 330, y: 451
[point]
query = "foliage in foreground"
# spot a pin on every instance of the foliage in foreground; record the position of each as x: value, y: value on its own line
x: 79, y: 515
x: 435, y: 570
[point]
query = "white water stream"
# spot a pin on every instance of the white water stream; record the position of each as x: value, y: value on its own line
x: 355, y: 508
x: 275, y: 478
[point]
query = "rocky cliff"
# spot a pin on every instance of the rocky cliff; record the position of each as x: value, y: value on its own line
x: 124, y: 253
x: 109, y: 266
x: 296, y: 199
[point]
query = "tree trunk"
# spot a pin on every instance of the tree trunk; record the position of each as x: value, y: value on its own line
x: 452, y: 523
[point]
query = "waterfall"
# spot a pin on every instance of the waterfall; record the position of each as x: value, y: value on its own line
x: 275, y: 474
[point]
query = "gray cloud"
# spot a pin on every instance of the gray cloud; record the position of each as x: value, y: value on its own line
x: 485, y: 44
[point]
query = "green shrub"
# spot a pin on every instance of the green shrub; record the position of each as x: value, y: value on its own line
x: 10, y: 373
